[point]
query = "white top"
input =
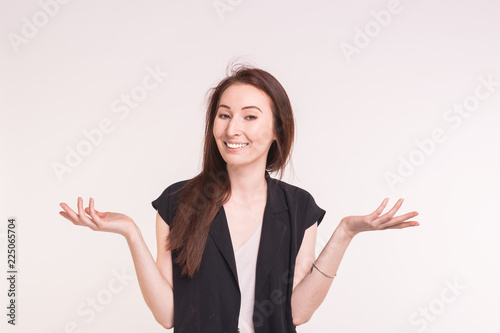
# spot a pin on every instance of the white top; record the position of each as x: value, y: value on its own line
x: 246, y: 262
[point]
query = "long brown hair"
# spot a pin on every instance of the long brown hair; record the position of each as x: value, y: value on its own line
x: 202, y: 196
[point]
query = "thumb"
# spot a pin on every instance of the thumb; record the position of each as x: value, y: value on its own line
x: 100, y: 214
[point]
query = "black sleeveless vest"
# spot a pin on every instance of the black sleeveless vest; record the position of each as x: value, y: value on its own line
x: 210, y: 301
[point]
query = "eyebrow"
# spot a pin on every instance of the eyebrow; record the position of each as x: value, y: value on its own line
x: 243, y: 108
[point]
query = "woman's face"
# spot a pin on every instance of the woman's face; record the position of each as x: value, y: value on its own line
x: 244, y: 118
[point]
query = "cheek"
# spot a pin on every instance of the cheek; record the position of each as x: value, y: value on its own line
x: 216, y: 130
x: 266, y: 134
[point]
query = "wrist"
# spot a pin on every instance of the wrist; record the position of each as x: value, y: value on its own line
x: 344, y: 231
x: 131, y: 232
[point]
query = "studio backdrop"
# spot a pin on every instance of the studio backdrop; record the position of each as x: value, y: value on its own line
x: 392, y: 98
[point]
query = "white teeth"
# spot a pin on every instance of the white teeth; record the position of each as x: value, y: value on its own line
x: 238, y: 145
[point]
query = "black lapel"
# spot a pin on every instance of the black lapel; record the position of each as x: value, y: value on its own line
x: 219, y: 231
x: 273, y: 231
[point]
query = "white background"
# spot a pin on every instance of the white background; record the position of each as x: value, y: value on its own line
x: 357, y: 117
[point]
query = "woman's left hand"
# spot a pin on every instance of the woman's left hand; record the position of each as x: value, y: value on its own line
x: 374, y: 221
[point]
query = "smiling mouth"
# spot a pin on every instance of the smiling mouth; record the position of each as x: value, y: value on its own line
x: 235, y: 145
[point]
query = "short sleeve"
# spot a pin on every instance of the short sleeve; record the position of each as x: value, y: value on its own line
x: 314, y: 212
x: 161, y: 204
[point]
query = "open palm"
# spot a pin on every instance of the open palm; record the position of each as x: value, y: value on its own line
x: 95, y: 220
x: 375, y: 221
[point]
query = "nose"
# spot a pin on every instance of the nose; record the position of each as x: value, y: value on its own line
x: 234, y: 127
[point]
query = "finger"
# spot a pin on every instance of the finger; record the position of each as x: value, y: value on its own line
x: 399, y: 219
x: 92, y: 211
x: 396, y: 207
x: 388, y: 216
x: 98, y: 213
x: 73, y: 217
x: 380, y: 208
x: 66, y: 216
x: 403, y: 225
x: 88, y: 222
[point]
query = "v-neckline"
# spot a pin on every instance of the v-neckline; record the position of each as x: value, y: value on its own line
x: 251, y: 237
x: 259, y: 226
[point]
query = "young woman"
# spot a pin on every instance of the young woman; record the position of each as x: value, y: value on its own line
x: 236, y: 248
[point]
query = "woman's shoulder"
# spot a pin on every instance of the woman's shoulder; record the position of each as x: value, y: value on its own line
x: 177, y: 185
x: 302, y: 204
x: 172, y: 190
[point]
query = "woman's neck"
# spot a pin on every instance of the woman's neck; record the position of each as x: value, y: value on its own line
x: 247, y: 184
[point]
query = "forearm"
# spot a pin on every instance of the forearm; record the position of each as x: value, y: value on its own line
x: 312, y: 290
x: 155, y: 289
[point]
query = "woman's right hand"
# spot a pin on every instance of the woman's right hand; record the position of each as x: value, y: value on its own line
x: 98, y: 221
